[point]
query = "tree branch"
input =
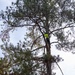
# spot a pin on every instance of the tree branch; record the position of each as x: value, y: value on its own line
x: 62, y: 28
x: 54, y: 42
x: 38, y: 48
x: 38, y: 58
x: 59, y: 68
x: 5, y: 31
x: 35, y: 41
x: 22, y: 25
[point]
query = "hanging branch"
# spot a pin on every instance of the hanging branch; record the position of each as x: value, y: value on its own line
x: 59, y: 68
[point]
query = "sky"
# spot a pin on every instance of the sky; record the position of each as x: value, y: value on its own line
x: 67, y: 66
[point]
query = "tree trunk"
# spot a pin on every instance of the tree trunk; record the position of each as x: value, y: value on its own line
x: 48, y: 63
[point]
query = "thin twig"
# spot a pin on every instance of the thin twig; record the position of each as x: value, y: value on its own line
x: 59, y: 68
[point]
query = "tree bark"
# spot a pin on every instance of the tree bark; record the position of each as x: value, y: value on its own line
x: 48, y: 63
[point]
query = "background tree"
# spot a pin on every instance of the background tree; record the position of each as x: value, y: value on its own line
x: 5, y: 65
x: 43, y: 20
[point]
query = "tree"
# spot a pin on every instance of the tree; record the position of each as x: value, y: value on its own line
x: 22, y: 59
x: 4, y: 66
x: 44, y: 19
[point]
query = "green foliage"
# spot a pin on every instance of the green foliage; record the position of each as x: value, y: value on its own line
x: 5, y: 65
x: 54, y: 17
x: 21, y: 59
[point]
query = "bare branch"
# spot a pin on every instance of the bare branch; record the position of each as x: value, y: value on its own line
x: 23, y: 25
x: 5, y: 32
x: 53, y: 42
x: 38, y: 58
x: 38, y: 48
x: 35, y: 41
x: 59, y: 68
x: 62, y: 28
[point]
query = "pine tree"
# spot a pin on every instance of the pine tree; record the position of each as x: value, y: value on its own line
x: 43, y: 19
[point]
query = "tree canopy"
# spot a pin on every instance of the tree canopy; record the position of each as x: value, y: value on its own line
x: 43, y: 19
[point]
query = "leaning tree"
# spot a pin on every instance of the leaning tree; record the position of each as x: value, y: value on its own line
x: 43, y: 20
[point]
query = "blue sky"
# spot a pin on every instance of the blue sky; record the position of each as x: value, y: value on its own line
x: 68, y: 65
